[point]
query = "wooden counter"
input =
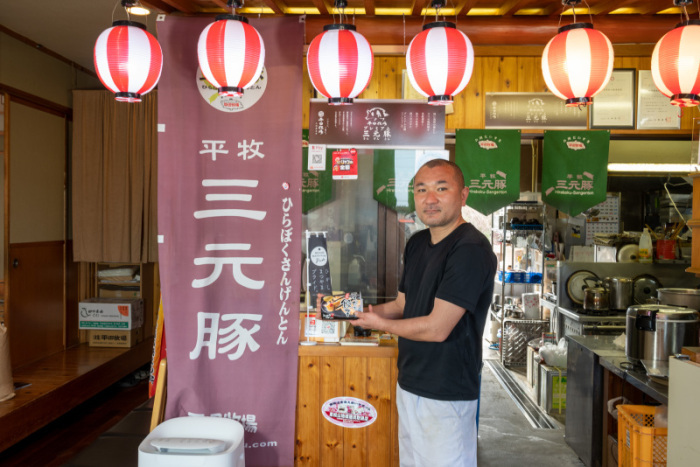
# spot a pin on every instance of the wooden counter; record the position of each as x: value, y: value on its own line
x: 63, y: 381
x: 363, y: 372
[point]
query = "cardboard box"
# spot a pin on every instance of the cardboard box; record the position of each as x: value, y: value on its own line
x: 110, y: 313
x: 322, y: 330
x: 110, y: 338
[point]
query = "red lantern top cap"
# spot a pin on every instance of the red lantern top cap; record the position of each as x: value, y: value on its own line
x: 571, y: 26
x: 240, y: 18
x: 124, y: 22
x: 439, y: 24
x: 339, y: 27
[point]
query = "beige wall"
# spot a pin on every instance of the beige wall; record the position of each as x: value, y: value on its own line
x: 25, y: 68
x: 37, y: 175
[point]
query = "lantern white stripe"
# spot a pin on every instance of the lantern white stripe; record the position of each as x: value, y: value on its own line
x: 688, y: 58
x: 655, y: 75
x: 139, y: 53
x: 234, y: 51
x: 204, y: 58
x: 578, y: 63
x: 101, y: 62
x: 364, y: 62
x: 437, y: 60
x: 328, y: 57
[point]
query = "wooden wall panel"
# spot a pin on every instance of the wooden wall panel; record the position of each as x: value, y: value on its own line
x: 332, y: 385
x: 367, y: 373
x: 35, y: 311
x: 520, y: 72
x: 379, y: 394
x: 355, y: 452
x: 306, y: 451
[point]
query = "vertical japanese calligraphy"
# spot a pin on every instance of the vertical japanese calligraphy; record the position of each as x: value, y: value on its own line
x: 229, y: 210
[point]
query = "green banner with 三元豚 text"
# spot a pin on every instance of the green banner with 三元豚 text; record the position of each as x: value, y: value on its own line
x: 316, y: 185
x: 575, y: 169
x: 490, y: 162
x: 393, y: 178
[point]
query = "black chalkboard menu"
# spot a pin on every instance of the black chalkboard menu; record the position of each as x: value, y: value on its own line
x: 318, y: 270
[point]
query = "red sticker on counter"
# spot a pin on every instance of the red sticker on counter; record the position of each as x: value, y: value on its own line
x: 349, y: 412
x: 345, y: 164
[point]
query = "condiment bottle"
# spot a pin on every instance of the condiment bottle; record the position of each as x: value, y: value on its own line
x: 646, y: 248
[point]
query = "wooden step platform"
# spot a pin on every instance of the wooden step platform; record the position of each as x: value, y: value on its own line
x: 63, y: 381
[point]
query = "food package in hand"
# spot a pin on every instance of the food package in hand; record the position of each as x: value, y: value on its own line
x: 345, y: 306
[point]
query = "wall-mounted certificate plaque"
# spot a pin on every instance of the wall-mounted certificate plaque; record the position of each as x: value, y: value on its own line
x: 654, y: 110
x: 613, y: 107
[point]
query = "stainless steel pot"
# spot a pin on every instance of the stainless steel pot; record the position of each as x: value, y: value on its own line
x: 596, y: 299
x: 689, y: 298
x: 621, y: 291
x: 654, y: 332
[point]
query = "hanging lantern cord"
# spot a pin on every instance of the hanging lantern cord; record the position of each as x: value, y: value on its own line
x: 684, y: 12
x: 437, y: 5
x: 340, y: 5
x: 235, y: 4
x: 572, y: 4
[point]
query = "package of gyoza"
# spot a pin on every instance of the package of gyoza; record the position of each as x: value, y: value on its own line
x: 345, y: 306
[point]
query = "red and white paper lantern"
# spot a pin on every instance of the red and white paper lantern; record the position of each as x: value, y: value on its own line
x: 439, y: 62
x: 128, y: 60
x: 675, y: 64
x: 340, y: 63
x: 577, y: 63
x: 231, y: 54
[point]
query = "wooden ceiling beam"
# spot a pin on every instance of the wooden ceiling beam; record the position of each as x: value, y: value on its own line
x: 502, y: 31
x: 222, y: 4
x: 418, y: 6
x: 604, y: 8
x: 369, y: 7
x: 275, y: 6
x: 159, y: 5
x: 511, y: 7
x: 468, y: 5
x: 321, y: 6
x: 183, y: 6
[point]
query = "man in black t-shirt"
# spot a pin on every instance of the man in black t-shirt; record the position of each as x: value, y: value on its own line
x: 439, y: 316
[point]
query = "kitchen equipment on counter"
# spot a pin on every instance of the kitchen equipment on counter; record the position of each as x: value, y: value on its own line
x: 654, y: 332
x: 621, y: 290
x: 596, y: 299
x: 689, y: 298
x: 628, y: 254
x: 645, y: 287
x: 577, y: 283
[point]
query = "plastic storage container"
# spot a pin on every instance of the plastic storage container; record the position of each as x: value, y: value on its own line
x: 646, y: 249
x: 639, y: 442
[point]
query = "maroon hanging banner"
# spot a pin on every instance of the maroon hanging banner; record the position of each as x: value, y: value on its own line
x: 229, y: 224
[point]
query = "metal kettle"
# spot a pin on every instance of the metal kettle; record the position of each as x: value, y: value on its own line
x: 621, y: 292
x: 596, y: 298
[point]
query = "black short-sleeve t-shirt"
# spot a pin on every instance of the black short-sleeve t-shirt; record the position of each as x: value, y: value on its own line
x: 460, y: 269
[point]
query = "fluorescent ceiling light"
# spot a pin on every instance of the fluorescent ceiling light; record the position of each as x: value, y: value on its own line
x: 632, y: 167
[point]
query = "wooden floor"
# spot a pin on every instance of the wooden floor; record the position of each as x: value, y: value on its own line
x: 63, y: 439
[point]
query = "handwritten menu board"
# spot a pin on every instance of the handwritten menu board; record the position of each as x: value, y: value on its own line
x: 654, y: 110
x: 318, y: 271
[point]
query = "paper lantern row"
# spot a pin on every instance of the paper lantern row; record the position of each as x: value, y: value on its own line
x: 576, y: 64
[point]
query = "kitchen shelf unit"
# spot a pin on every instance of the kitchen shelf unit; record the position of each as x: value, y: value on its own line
x: 504, y: 237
